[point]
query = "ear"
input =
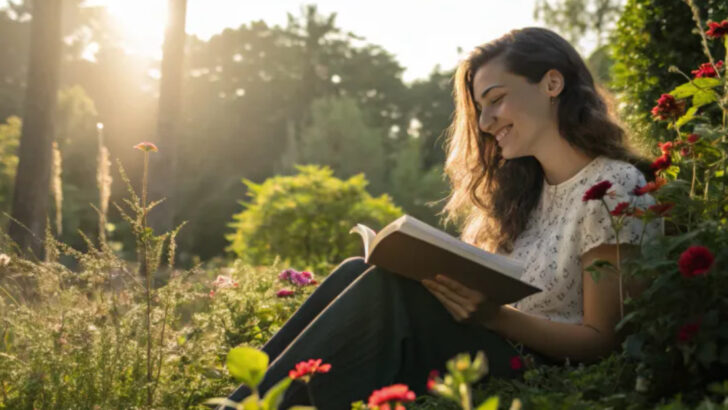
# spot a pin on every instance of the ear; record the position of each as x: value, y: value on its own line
x: 552, y: 83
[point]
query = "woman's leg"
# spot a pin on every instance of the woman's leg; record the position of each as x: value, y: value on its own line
x: 382, y: 329
x: 339, y: 278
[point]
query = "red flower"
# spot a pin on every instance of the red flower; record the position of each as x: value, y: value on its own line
x: 688, y: 331
x: 597, y: 191
x: 620, y: 209
x: 304, y: 370
x: 661, y: 209
x: 285, y: 293
x: 717, y: 30
x: 650, y: 186
x: 662, y: 162
x: 667, y: 107
x: 516, y: 363
x: 146, y: 147
x: 396, y: 392
x: 665, y: 147
x: 693, y: 138
x: 707, y: 70
x: 431, y: 379
x: 696, y: 260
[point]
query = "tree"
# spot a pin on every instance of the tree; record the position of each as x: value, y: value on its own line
x: 577, y: 18
x: 30, y: 198
x: 164, y: 165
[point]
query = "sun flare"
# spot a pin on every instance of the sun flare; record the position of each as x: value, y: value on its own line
x: 141, y: 23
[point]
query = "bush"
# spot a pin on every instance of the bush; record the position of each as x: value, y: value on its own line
x: 652, y: 35
x: 306, y: 218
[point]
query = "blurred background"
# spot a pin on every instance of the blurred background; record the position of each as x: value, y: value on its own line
x: 231, y: 90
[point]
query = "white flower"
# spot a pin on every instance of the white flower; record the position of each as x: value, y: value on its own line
x: 4, y: 259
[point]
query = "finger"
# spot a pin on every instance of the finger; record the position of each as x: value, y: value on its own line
x: 459, y: 288
x: 453, y: 307
x: 455, y: 297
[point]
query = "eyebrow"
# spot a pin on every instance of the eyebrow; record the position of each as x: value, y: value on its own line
x: 490, y: 88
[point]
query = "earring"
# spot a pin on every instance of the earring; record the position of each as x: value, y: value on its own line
x: 553, y: 100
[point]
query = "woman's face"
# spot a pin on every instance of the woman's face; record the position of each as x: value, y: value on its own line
x: 513, y: 111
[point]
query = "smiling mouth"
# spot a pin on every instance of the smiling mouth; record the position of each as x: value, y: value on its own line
x: 503, y: 133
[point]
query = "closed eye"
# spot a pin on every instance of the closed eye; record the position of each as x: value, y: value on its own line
x: 497, y: 99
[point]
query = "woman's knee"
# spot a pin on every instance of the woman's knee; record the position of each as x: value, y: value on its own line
x: 350, y: 267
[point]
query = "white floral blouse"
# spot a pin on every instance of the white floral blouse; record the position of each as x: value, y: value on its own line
x: 562, y: 228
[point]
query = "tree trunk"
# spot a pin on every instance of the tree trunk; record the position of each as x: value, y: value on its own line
x: 30, y: 197
x: 162, y: 181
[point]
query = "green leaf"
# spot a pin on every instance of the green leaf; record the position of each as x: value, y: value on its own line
x: 706, y: 82
x: 247, y: 365
x: 274, y: 395
x: 490, y: 404
x: 684, y: 90
x: 707, y: 353
x: 704, y: 97
x: 688, y: 116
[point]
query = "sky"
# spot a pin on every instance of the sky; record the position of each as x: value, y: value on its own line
x: 420, y: 33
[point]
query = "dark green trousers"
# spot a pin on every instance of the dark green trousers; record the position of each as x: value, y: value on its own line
x: 375, y: 328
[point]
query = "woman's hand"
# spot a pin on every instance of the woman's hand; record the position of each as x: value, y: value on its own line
x: 464, y: 304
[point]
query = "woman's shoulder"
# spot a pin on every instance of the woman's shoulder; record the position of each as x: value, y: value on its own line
x: 623, y: 175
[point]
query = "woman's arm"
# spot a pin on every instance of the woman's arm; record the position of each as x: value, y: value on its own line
x: 595, y: 336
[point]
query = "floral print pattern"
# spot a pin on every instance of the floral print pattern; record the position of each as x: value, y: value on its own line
x: 562, y: 228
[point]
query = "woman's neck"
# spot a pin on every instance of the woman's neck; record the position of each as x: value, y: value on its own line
x: 560, y: 161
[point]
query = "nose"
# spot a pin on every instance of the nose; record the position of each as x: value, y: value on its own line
x: 485, y: 122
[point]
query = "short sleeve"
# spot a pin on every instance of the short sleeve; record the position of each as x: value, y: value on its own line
x: 595, y: 227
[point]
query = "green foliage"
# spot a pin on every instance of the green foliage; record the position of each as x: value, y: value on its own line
x: 652, y: 35
x: 339, y: 137
x: 9, y: 140
x: 306, y: 218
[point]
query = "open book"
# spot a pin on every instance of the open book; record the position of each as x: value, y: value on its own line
x: 414, y: 249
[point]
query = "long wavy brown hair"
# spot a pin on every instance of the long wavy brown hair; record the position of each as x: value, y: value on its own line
x: 491, y: 198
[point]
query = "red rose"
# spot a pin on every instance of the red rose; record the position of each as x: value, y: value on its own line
x: 717, y: 30
x: 667, y: 107
x: 650, y: 186
x: 661, y: 209
x: 707, y: 70
x: 696, y: 260
x: 597, y: 191
x: 308, y: 368
x: 396, y: 392
x: 662, y: 162
x: 516, y: 363
x: 688, y: 331
x: 620, y: 209
x: 693, y: 138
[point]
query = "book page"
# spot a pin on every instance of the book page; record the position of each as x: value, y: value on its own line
x: 367, y: 235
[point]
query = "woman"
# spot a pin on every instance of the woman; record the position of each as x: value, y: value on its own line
x: 530, y: 136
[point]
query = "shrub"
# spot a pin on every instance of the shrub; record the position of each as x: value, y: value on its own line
x: 306, y: 218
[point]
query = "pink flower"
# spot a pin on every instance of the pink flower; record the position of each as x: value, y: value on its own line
x: 223, y: 281
x: 661, y: 163
x: 693, y: 138
x: 696, y: 260
x: 620, y: 209
x: 717, y: 30
x: 431, y: 379
x: 516, y: 363
x: 304, y: 370
x: 707, y: 70
x: 668, y: 108
x: 283, y: 293
x: 661, y: 209
x: 297, y: 278
x: 597, y: 191
x: 146, y: 147
x: 396, y: 392
x: 649, y: 187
